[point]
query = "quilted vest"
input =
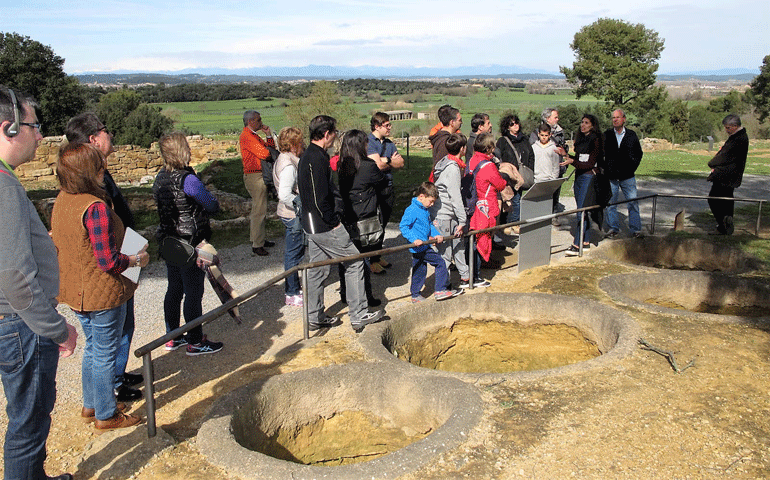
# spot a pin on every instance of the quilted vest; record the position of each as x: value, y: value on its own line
x: 83, y: 285
x: 180, y: 215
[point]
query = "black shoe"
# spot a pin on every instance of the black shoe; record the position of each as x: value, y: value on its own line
x: 497, y: 246
x: 373, y: 302
x: 368, y: 319
x: 269, y: 244
x: 130, y: 379
x: 328, y: 322
x: 612, y: 234
x: 259, y: 251
x: 63, y: 476
x: 127, y: 394
x: 729, y: 225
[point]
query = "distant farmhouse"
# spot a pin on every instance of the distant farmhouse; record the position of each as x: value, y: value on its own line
x: 400, y: 114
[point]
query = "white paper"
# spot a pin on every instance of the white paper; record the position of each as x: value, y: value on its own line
x: 133, y: 243
x: 583, y: 157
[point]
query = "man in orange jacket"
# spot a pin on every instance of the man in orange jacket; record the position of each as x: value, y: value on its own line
x: 253, y: 151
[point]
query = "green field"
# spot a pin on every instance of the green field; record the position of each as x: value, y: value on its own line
x: 215, y: 117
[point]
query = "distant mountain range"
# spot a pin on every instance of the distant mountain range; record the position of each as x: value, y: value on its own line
x: 326, y: 72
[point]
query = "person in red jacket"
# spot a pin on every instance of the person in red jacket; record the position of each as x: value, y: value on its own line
x: 489, y: 183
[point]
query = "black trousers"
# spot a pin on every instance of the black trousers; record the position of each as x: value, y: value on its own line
x: 721, y: 208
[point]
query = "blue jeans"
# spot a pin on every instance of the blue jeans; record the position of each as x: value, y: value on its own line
x: 628, y: 186
x: 125, y: 343
x: 103, y: 330
x: 28, y: 365
x: 184, y: 282
x: 420, y: 261
x: 294, y: 253
x: 514, y: 215
x: 580, y: 188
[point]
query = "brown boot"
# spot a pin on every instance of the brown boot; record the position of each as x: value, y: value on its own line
x: 88, y: 414
x: 119, y: 420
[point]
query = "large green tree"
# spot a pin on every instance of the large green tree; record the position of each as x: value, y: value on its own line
x: 615, y: 60
x: 759, y: 95
x: 131, y: 121
x: 34, y: 68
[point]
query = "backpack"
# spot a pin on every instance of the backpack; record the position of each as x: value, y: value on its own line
x: 468, y: 188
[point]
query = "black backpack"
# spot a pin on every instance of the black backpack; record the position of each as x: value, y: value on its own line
x: 468, y: 188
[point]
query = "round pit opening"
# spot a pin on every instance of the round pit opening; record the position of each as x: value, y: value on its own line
x: 707, y: 295
x: 673, y: 253
x: 493, y: 335
x: 349, y: 421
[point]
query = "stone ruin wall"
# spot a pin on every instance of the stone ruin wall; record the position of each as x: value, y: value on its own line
x: 129, y: 163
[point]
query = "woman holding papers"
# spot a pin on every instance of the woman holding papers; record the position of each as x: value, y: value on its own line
x: 88, y: 237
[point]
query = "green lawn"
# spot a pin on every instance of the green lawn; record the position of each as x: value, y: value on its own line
x: 214, y: 117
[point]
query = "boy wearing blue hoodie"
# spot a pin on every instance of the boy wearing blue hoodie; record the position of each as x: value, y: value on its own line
x: 417, y: 228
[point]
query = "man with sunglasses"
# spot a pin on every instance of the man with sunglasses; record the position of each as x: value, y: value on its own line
x: 87, y: 128
x: 32, y: 333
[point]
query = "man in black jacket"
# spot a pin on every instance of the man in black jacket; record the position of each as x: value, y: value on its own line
x: 326, y: 237
x: 622, y: 155
x: 727, y: 168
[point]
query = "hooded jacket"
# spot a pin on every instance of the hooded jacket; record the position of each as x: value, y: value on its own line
x: 447, y: 175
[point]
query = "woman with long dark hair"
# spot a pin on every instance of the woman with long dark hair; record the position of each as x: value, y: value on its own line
x: 589, y: 150
x: 514, y: 148
x: 88, y: 235
x: 361, y: 182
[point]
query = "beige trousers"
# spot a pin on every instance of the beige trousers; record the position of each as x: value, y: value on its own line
x: 258, y: 191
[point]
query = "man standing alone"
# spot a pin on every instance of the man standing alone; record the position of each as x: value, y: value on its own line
x: 32, y: 332
x: 622, y: 155
x: 254, y: 151
x: 727, y: 168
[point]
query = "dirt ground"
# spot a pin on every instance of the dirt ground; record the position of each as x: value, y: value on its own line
x: 635, y: 419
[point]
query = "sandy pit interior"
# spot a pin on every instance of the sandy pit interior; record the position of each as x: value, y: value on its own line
x: 347, y: 437
x: 470, y: 345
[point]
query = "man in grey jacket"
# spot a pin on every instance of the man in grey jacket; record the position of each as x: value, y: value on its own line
x: 32, y: 332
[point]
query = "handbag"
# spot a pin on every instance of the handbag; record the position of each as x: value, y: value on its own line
x: 369, y: 231
x: 526, y: 173
x: 178, y: 252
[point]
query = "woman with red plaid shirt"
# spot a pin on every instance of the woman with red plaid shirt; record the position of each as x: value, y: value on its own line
x: 88, y: 237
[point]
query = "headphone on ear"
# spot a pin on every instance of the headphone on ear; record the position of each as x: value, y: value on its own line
x: 13, y: 129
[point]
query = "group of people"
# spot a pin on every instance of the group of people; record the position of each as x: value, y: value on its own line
x: 79, y: 262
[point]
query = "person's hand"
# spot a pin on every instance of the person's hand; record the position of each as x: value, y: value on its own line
x: 418, y: 242
x: 459, y: 231
x: 396, y: 160
x: 68, y: 347
x: 266, y: 129
x: 439, y: 238
x: 561, y: 151
x: 143, y: 258
x: 567, y: 161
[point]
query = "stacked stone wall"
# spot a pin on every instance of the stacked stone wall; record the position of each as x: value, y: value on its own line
x: 129, y: 163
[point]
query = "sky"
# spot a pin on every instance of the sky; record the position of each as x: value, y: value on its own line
x: 151, y: 36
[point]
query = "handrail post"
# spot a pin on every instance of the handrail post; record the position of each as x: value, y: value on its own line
x: 652, y: 219
x: 759, y: 217
x: 582, y: 230
x: 471, y: 260
x: 305, y: 319
x: 149, y: 393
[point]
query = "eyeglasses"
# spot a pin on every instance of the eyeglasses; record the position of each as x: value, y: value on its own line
x: 386, y: 125
x: 36, y: 126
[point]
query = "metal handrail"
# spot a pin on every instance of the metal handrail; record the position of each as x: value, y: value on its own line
x: 145, y: 351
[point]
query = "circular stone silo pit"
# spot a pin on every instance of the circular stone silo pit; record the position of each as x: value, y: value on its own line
x: 675, y: 253
x: 336, y: 416
x: 705, y: 295
x: 485, y: 333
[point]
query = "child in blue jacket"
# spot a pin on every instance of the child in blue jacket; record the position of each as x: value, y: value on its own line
x: 417, y: 228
